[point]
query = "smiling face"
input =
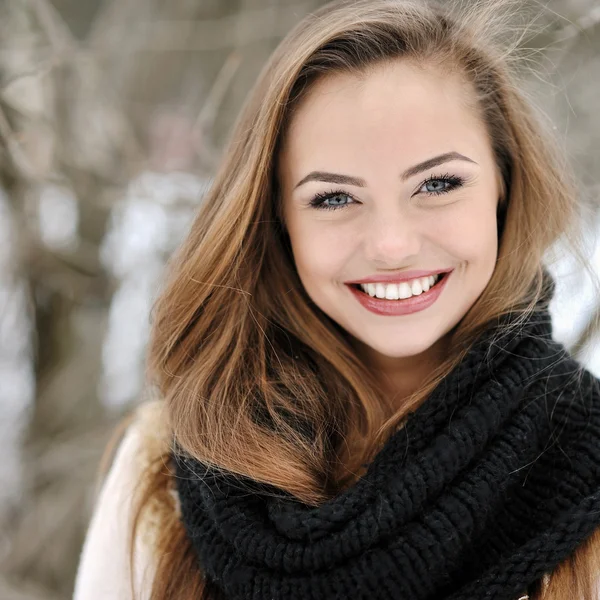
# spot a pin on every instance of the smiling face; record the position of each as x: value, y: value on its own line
x: 364, y: 197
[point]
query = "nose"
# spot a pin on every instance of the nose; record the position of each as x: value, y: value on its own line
x: 392, y: 239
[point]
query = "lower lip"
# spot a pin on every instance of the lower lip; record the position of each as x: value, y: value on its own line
x: 407, y: 306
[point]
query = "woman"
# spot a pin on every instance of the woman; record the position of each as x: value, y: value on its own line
x: 359, y: 393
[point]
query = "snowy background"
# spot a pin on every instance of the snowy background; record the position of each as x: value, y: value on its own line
x: 112, y: 117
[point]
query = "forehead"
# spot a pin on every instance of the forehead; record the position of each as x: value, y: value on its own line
x: 396, y: 109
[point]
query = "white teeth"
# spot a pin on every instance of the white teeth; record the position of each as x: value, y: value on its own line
x: 391, y: 292
x: 394, y: 291
x: 404, y: 290
x: 416, y: 287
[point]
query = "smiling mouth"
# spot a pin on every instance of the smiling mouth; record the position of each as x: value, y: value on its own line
x: 440, y: 278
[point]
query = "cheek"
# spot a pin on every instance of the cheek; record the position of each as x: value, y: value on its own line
x: 320, y: 253
x: 468, y: 233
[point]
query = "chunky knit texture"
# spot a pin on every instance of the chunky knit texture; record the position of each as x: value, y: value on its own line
x: 492, y: 482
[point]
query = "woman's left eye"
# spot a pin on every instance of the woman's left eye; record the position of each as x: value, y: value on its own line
x: 441, y: 185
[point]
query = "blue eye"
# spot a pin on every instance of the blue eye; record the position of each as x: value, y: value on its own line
x: 439, y: 187
x: 448, y: 183
x: 336, y: 199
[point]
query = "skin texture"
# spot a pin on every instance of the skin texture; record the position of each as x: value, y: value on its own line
x: 376, y: 126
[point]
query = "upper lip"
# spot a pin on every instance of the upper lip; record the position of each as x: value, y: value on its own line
x: 398, y: 277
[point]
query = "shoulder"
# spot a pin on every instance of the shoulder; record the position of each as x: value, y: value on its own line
x: 106, y: 548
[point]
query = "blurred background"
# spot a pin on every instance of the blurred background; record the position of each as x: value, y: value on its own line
x: 113, y: 114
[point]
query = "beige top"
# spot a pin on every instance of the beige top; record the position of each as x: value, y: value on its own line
x: 104, y: 569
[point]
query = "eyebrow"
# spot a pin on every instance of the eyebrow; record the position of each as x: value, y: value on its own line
x: 357, y: 181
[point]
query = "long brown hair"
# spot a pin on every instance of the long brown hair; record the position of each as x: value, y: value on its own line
x: 245, y: 363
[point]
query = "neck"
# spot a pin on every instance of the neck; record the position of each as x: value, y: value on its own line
x: 400, y: 377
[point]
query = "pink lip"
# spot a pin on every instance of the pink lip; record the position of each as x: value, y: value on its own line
x: 399, y: 277
x: 392, y: 308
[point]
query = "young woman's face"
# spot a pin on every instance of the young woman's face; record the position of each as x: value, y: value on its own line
x: 382, y: 175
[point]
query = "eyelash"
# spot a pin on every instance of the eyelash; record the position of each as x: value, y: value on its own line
x: 455, y: 182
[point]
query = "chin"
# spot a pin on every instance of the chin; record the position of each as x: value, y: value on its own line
x: 402, y: 349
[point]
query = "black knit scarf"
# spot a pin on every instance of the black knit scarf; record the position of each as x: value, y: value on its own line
x: 491, y: 483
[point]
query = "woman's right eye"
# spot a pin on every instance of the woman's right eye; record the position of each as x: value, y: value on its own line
x: 330, y: 200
